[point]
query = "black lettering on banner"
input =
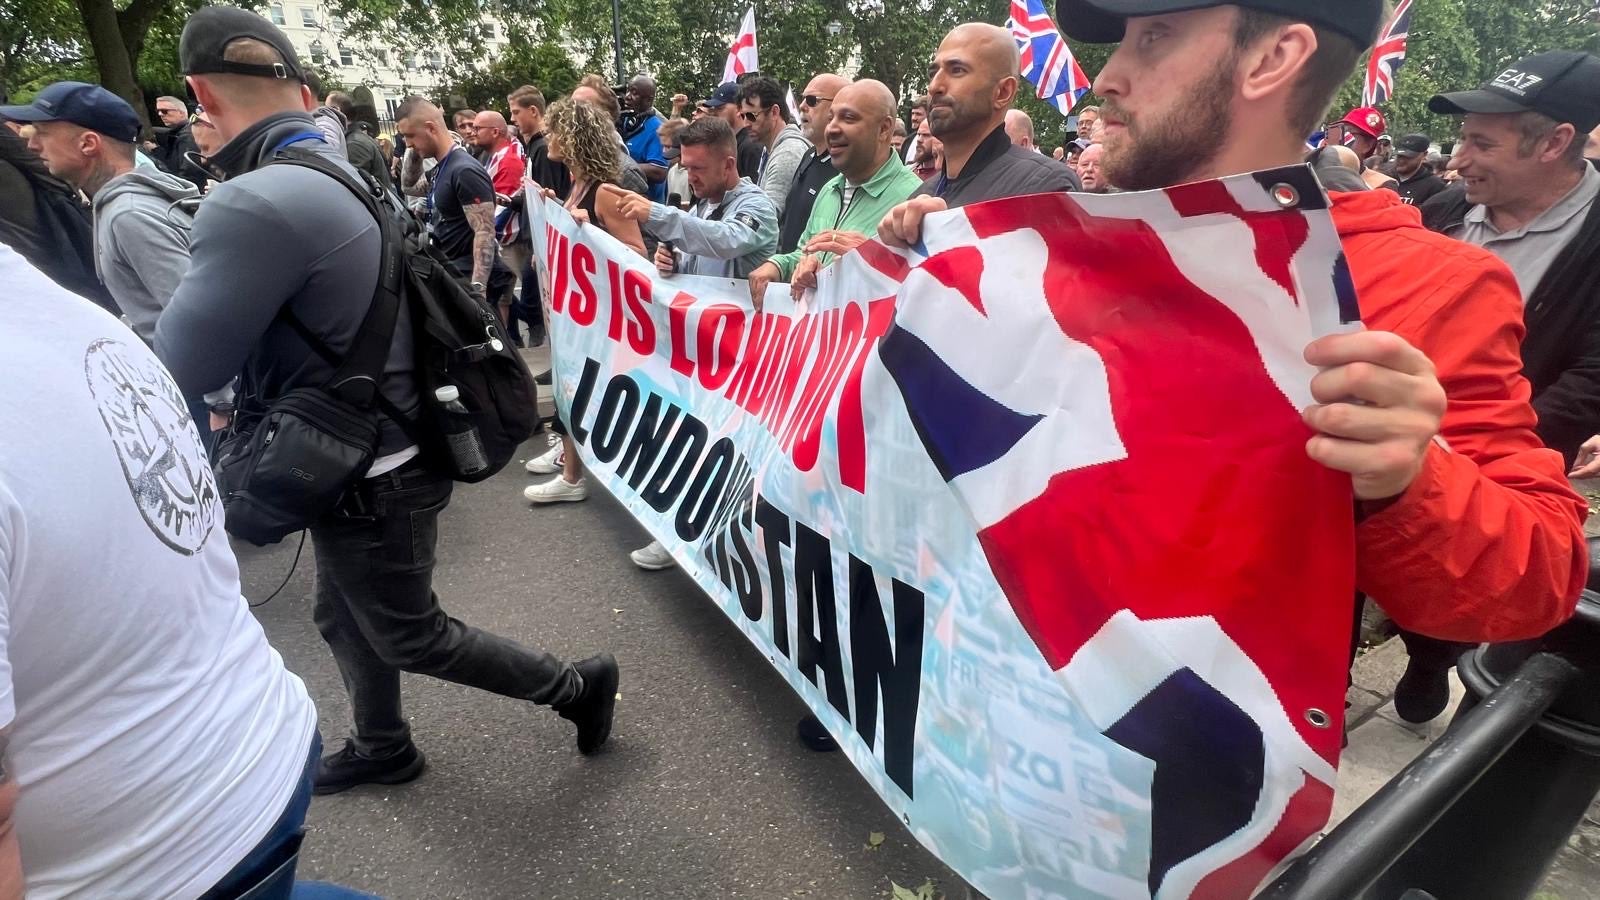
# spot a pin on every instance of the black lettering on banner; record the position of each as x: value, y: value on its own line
x: 775, y: 533
x: 580, y: 400
x: 611, y: 426
x: 704, y: 495
x: 817, y: 635
x: 676, y: 465
x: 648, y: 438
x: 749, y: 588
x: 895, y: 669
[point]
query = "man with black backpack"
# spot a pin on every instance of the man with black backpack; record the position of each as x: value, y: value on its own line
x: 285, y: 292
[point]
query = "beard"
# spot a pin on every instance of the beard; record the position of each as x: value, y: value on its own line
x: 1153, y: 152
x: 949, y: 116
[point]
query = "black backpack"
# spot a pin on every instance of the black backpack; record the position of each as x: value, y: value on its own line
x: 458, y: 341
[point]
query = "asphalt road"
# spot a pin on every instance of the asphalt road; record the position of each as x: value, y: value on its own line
x: 703, y: 792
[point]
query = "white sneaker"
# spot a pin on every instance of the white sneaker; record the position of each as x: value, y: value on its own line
x: 546, y: 463
x: 653, y: 557
x: 557, y: 490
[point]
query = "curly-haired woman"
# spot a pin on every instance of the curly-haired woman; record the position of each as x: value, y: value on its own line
x: 580, y: 135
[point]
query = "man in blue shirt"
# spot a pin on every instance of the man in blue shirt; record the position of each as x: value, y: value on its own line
x: 638, y: 127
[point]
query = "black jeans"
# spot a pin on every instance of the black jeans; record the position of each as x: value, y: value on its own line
x: 376, y: 609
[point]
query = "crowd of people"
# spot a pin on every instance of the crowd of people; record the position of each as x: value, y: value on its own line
x: 1458, y: 412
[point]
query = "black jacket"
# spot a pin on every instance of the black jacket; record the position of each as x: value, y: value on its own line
x: 365, y: 154
x: 172, y: 148
x: 815, y: 171
x: 1561, y: 352
x: 999, y: 169
x: 1421, y: 189
x: 751, y: 151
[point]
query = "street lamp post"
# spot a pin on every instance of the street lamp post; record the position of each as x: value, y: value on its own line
x: 616, y: 36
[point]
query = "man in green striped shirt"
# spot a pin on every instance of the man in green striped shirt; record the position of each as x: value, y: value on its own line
x: 870, y: 183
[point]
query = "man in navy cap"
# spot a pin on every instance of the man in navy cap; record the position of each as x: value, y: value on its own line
x: 86, y: 135
x: 724, y: 104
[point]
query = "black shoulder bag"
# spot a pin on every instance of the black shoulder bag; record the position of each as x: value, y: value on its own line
x: 282, y: 470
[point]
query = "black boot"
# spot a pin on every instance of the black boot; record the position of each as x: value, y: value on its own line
x: 1423, y: 692
x: 815, y: 735
x: 344, y: 770
x: 593, y: 709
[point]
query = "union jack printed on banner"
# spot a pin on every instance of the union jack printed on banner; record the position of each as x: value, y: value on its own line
x: 1387, y: 57
x: 1047, y: 61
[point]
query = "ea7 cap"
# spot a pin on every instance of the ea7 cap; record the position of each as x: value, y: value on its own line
x: 1562, y: 84
x: 86, y: 105
x: 211, y: 29
x: 1367, y: 120
x: 1101, y: 21
x: 1412, y: 145
x: 724, y: 94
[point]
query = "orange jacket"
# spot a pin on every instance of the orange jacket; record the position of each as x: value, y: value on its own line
x: 1487, y: 544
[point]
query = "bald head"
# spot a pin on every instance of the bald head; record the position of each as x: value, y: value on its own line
x: 489, y: 129
x: 816, y: 105
x: 1019, y: 128
x: 640, y: 94
x: 971, y: 84
x: 861, y: 128
x: 1089, y: 170
x: 1345, y: 157
x: 422, y: 125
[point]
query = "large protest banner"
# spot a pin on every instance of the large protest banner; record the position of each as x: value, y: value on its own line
x: 1024, y: 514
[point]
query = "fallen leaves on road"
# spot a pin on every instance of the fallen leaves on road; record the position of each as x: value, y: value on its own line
x: 875, y: 840
x: 925, y: 892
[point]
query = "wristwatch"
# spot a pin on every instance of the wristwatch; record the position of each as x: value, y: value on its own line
x: 478, y: 288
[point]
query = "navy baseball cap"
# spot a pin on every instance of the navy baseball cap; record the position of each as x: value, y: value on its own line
x: 1562, y: 84
x: 724, y: 94
x: 1101, y: 21
x: 87, y: 105
x: 202, y: 48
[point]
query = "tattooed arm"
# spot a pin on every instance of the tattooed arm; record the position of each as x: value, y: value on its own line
x: 481, y: 217
x: 10, y: 855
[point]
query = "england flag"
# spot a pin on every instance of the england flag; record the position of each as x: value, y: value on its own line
x: 1128, y: 494
x: 1047, y: 61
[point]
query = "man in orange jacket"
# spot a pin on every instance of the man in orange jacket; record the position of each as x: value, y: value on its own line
x: 1467, y: 529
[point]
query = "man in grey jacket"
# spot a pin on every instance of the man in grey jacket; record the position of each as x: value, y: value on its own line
x: 276, y: 239
x: 85, y: 134
x: 731, y: 231
x: 766, y: 111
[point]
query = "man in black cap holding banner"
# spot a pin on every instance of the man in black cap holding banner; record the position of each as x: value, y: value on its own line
x: 1530, y: 200
x: 1457, y: 503
x: 275, y: 240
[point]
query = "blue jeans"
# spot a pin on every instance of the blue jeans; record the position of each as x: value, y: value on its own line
x: 283, y: 838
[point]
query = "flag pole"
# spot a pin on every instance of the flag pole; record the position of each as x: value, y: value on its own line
x: 616, y: 37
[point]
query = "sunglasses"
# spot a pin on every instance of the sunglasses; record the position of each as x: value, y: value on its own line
x: 750, y: 117
x: 811, y: 100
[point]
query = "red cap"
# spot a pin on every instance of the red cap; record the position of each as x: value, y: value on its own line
x: 1367, y: 120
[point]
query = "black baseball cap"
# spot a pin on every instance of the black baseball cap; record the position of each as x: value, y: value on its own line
x: 86, y: 105
x: 1562, y: 84
x: 1101, y: 21
x: 1412, y: 145
x: 726, y: 93
x: 211, y: 29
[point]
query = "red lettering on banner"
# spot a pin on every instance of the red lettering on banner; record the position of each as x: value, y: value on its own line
x: 828, y: 336
x: 585, y: 302
x: 560, y: 265
x: 851, y: 426
x: 799, y: 352
x: 719, y: 333
x: 641, y: 328
x: 807, y: 440
x: 677, y: 323
x: 614, y: 283
x: 783, y: 329
x: 762, y: 330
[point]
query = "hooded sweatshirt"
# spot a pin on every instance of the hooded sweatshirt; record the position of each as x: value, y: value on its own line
x: 1487, y: 543
x: 141, y: 242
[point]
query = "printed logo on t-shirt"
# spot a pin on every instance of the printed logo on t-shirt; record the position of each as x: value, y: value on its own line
x: 168, y: 473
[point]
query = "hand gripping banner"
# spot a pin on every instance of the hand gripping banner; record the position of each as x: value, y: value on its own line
x: 1024, y: 514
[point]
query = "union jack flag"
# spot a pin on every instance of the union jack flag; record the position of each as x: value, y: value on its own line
x: 1047, y: 61
x: 1387, y: 57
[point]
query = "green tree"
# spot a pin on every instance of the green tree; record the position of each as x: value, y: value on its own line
x: 543, y: 65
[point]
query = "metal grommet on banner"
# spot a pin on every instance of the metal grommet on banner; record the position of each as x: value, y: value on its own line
x: 1318, y: 718
x: 1285, y: 195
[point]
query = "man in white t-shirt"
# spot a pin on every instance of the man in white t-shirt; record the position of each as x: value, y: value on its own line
x: 153, y: 742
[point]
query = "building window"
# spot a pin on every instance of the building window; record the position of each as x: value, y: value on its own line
x: 318, y: 57
x: 338, y: 24
x: 488, y: 31
x: 383, y: 57
x: 409, y: 61
x: 277, y: 13
x: 435, y: 61
x: 346, y: 58
x: 393, y: 107
x: 308, y: 17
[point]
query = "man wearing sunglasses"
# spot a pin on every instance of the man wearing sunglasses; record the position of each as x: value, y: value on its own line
x: 175, y: 139
x: 763, y: 108
x: 816, y: 166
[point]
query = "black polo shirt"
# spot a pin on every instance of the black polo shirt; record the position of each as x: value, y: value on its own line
x: 1000, y: 169
x: 815, y: 171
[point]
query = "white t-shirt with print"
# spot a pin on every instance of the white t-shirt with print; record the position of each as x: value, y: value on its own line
x: 155, y: 735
